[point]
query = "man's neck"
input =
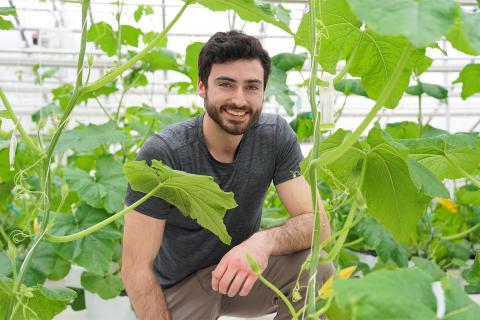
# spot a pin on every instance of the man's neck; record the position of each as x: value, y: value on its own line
x: 222, y: 145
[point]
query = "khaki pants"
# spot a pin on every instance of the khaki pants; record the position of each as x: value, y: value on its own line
x: 194, y: 299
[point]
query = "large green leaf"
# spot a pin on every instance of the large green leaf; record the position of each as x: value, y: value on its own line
x: 7, y: 11
x: 403, y: 130
x: 388, y: 294
x: 196, y: 196
x: 392, y: 197
x: 376, y: 56
x: 161, y: 59
x: 440, y: 153
x: 93, y: 252
x: 248, y: 10
x: 469, y: 78
x: 142, y: 10
x: 86, y: 138
x: 40, y: 303
x: 465, y: 34
x: 43, y: 263
x: 104, y: 190
x: 277, y: 82
x: 102, y: 34
x: 106, y: 286
x: 423, y: 22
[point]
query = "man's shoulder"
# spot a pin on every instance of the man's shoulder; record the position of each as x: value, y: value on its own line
x: 175, y: 136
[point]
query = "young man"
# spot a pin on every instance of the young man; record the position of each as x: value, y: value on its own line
x: 173, y: 268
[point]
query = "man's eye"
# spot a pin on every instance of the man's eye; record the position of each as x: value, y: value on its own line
x: 225, y: 85
x: 252, y: 88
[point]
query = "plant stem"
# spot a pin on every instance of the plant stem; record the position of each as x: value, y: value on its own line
x: 461, y: 234
x: 98, y: 226
x: 420, y: 122
x: 280, y: 294
x: 119, y: 70
x: 333, y: 155
x: 19, y: 126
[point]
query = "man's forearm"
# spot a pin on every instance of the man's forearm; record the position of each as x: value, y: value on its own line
x: 294, y: 235
x: 146, y: 295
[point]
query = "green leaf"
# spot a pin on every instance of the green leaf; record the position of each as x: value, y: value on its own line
x: 104, y: 190
x: 149, y: 36
x: 142, y: 10
x: 62, y: 94
x: 41, y: 265
x: 459, y: 305
x: 136, y: 78
x: 93, y: 252
x: 392, y: 197
x: 106, y: 90
x: 6, y: 24
x: 86, y: 138
x: 8, y: 11
x: 376, y: 56
x: 472, y: 276
x: 429, y: 267
x: 350, y: 86
x: 433, y: 90
x: 303, y: 125
x: 403, y: 130
x: 191, y: 60
x: 469, y: 78
x: 439, y: 153
x: 248, y: 10
x: 423, y: 22
x: 101, y: 33
x: 130, y: 35
x: 196, y: 196
x: 377, y: 237
x: 45, y: 112
x: 385, y: 294
x: 347, y: 169
x: 107, y: 286
x: 161, y: 59
x: 426, y: 181
x: 468, y: 195
x: 42, y: 303
x: 277, y: 82
x: 465, y: 35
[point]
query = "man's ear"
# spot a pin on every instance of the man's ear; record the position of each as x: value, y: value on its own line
x: 201, y: 89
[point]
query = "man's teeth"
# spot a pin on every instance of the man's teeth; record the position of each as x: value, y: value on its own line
x: 237, y: 113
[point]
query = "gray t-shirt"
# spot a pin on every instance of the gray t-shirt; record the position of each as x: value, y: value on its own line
x: 268, y: 151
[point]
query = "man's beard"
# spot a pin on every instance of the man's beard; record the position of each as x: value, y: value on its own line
x: 228, y: 125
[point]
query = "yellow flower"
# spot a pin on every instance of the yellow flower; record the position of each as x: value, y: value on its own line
x: 36, y: 227
x: 448, y: 204
x: 326, y: 290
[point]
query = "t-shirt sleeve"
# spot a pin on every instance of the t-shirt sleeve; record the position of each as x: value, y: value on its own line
x: 154, y: 148
x: 288, y: 154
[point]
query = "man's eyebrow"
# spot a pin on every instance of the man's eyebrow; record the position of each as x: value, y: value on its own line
x: 225, y: 78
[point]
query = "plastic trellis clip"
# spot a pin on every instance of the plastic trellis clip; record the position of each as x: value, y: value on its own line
x: 327, y: 106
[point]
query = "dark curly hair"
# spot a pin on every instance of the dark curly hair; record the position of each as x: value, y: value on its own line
x: 229, y: 46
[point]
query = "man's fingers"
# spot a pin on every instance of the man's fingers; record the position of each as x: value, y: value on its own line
x: 226, y: 280
x: 217, y: 274
x: 236, y: 284
x: 248, y: 285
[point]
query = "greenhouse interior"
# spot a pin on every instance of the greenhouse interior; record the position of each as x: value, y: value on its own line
x: 173, y: 159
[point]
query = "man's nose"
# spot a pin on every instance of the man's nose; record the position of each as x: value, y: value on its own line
x: 239, y: 98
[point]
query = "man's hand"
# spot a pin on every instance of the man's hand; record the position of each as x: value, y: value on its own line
x: 233, y: 270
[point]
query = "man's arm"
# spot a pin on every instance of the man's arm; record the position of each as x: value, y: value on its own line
x: 141, y: 241
x: 233, y: 275
x: 295, y: 234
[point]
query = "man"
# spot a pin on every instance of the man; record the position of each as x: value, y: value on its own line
x: 194, y: 275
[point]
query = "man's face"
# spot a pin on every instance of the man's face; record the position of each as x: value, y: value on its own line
x: 235, y: 94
